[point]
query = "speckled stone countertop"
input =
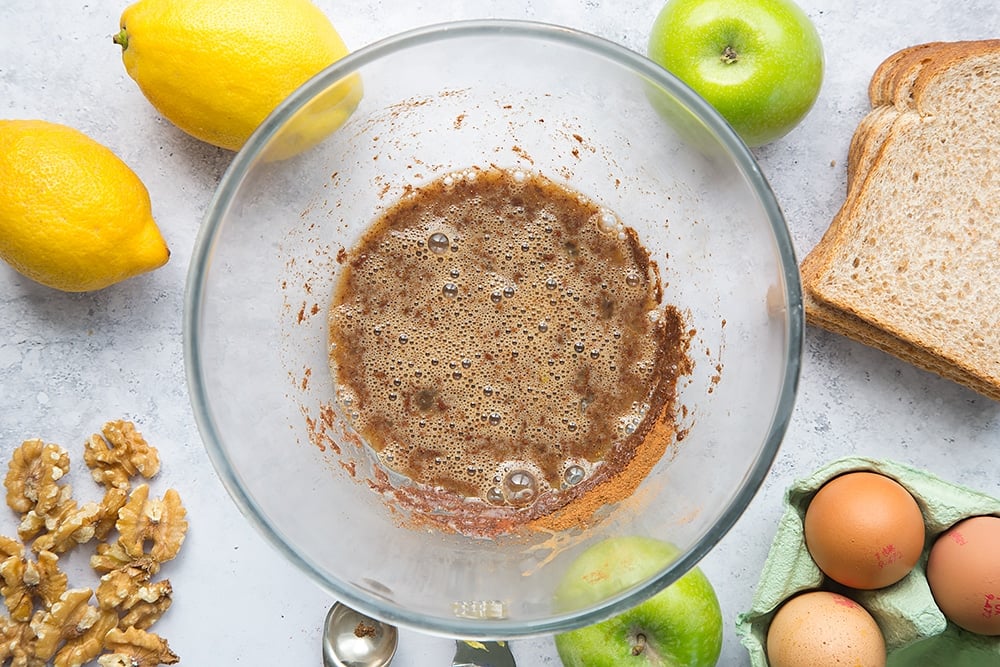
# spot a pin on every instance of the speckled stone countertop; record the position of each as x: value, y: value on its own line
x: 68, y: 363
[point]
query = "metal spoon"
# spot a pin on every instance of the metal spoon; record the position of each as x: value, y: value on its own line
x: 351, y: 639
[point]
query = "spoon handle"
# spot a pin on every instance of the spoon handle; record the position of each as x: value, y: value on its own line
x: 482, y: 654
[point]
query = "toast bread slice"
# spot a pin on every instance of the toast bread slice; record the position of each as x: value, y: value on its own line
x: 904, y: 300
x: 890, y: 92
x: 887, y: 85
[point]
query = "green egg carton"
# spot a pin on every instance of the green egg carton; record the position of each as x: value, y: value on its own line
x: 916, y: 632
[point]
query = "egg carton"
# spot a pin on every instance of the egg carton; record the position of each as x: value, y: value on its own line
x: 916, y: 632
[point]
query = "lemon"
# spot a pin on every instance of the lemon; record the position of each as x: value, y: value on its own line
x: 73, y: 216
x: 217, y: 68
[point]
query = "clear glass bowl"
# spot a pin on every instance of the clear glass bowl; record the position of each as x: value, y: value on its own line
x: 584, y: 112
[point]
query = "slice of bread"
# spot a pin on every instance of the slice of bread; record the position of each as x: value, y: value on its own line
x: 911, y: 262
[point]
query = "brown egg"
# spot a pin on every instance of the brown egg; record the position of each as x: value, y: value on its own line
x: 963, y: 571
x: 864, y: 530
x: 821, y: 628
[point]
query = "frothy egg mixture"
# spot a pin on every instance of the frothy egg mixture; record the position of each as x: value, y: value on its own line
x: 500, y: 338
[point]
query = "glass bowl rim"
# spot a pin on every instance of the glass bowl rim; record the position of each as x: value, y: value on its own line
x: 246, y: 158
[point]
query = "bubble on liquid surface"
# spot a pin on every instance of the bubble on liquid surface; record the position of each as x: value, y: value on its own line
x: 450, y: 290
x: 438, y: 243
x: 345, y: 396
x: 608, y: 222
x: 495, y: 496
x: 520, y: 487
x: 574, y: 475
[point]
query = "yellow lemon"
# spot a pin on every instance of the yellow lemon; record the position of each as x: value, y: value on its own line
x: 217, y: 68
x: 73, y: 216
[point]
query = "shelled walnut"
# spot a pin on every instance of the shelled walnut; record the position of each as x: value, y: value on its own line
x: 49, y: 623
x: 136, y: 648
x: 27, y: 581
x: 121, y: 454
x: 140, y: 600
x: 32, y: 480
x: 72, y: 632
x: 111, y: 556
x: 74, y: 524
x: 157, y: 522
x: 17, y: 644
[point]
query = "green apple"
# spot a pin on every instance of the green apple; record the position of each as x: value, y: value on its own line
x: 681, y: 626
x: 758, y: 62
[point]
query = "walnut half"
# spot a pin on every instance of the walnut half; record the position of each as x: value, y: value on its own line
x: 139, y: 601
x: 136, y: 648
x: 33, y: 476
x: 122, y: 453
x: 17, y: 644
x: 72, y: 632
x: 159, y: 522
x: 25, y: 581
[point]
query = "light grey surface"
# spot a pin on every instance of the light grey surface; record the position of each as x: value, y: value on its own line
x: 70, y: 362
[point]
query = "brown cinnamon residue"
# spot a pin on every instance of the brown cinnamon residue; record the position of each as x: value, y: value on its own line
x: 364, y: 630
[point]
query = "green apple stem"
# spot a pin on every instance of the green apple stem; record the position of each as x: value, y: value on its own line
x: 640, y: 644
x: 729, y: 55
